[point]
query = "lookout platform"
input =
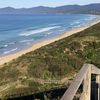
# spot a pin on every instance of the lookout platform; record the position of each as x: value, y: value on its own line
x: 90, y: 90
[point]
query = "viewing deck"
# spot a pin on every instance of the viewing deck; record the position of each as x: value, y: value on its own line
x: 90, y: 91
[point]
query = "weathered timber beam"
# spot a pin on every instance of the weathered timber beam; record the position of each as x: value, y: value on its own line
x: 71, y: 91
x: 98, y: 82
x: 95, y: 70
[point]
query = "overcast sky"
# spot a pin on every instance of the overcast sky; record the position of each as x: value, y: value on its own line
x: 50, y: 3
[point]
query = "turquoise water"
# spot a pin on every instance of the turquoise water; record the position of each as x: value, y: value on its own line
x: 18, y: 32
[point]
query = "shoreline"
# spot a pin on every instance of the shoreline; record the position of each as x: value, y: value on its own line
x: 8, y: 58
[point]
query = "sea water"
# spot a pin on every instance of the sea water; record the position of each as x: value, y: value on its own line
x: 18, y: 32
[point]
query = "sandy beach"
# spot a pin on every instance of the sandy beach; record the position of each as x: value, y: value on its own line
x: 10, y: 57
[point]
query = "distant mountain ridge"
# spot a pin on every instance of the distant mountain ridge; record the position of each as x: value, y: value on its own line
x: 81, y: 9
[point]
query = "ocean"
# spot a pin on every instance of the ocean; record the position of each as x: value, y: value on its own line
x: 18, y: 32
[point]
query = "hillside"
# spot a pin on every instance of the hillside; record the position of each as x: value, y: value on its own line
x: 51, y: 66
x: 80, y: 9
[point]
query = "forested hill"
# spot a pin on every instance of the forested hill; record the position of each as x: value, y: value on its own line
x: 81, y: 9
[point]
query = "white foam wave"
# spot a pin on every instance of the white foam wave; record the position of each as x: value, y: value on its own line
x: 38, y: 31
x: 49, y: 33
x: 90, y: 18
x: 23, y: 41
x: 78, y: 22
x: 5, y: 45
x: 7, y: 52
x: 74, y: 23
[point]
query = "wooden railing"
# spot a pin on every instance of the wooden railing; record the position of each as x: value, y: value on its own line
x: 83, y: 77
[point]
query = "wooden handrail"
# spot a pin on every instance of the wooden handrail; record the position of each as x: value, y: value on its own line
x: 95, y: 70
x: 84, y: 76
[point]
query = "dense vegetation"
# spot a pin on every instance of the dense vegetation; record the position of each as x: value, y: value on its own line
x: 49, y: 66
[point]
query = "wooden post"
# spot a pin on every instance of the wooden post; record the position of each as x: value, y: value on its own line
x: 71, y: 91
x: 87, y: 86
x: 98, y: 82
x: 84, y: 76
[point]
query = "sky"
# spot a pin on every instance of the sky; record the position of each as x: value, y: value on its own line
x: 50, y: 3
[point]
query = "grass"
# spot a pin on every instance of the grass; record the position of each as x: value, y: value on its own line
x: 52, y: 62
